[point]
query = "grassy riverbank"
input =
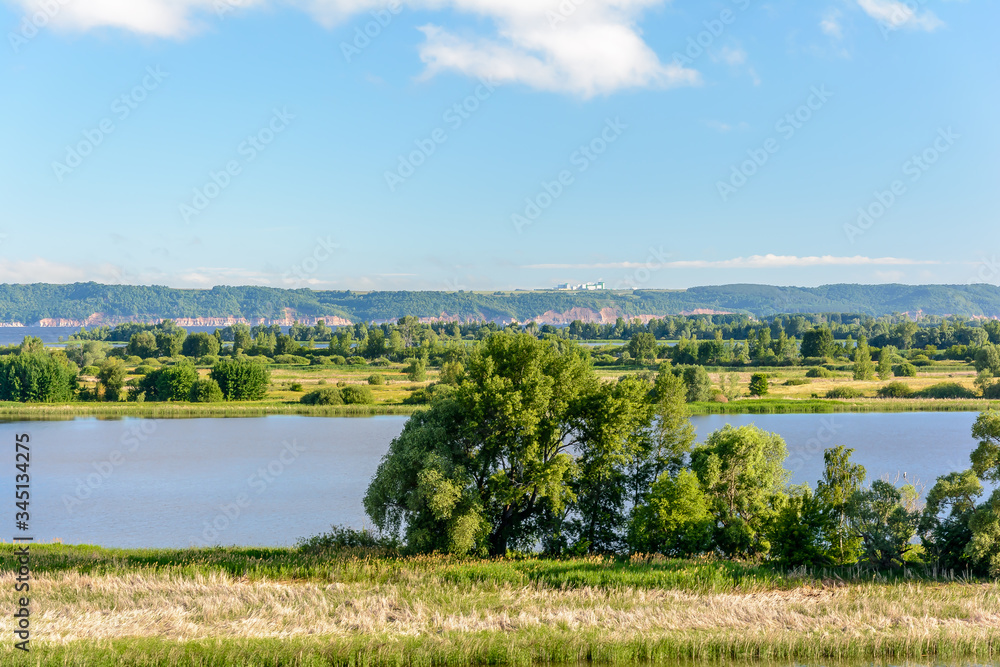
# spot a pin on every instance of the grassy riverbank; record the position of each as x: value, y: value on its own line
x: 52, y: 412
x: 281, y: 607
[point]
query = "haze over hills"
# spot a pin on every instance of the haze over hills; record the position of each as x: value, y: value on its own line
x: 90, y: 304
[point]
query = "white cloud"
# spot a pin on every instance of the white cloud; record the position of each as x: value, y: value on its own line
x: 594, y: 49
x: 894, y: 14
x: 752, y: 262
x: 830, y: 25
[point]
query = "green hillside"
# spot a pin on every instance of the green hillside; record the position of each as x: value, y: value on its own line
x: 32, y: 303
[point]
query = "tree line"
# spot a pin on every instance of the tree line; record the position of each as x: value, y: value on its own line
x: 531, y: 452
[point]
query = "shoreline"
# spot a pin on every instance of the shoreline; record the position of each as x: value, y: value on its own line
x: 68, y: 411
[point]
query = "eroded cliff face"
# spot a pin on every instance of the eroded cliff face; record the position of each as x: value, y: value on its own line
x: 586, y: 315
x: 99, y: 319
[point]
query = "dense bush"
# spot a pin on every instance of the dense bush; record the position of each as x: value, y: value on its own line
x: 291, y: 359
x: 357, y: 361
x: 90, y: 371
x: 143, y: 370
x: 844, y: 392
x: 170, y: 383
x: 819, y: 372
x: 241, y: 379
x: 946, y: 390
x: 376, y: 379
x: 895, y: 390
x: 796, y: 382
x: 758, y: 384
x: 338, y: 360
x: 905, y: 370
x: 429, y: 394
x: 341, y: 537
x: 357, y: 395
x: 36, y: 378
x: 326, y: 396
x: 206, y: 391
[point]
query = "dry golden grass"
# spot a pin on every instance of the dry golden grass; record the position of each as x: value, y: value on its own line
x: 70, y: 607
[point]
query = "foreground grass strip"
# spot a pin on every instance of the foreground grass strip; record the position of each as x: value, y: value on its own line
x: 282, y: 607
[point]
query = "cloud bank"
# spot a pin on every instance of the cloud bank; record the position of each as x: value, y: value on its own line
x: 752, y: 262
x: 582, y: 47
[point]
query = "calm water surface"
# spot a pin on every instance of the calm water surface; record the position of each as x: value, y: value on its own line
x: 270, y: 481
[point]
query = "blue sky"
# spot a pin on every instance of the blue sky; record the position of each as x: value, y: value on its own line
x: 498, y: 144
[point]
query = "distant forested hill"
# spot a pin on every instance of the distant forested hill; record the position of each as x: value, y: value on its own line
x: 30, y: 304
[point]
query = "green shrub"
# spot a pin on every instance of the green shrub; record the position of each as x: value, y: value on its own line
x: 206, y: 391
x: 132, y: 360
x: 357, y: 395
x: 429, y: 394
x: 90, y: 371
x: 295, y: 386
x: 291, y: 359
x: 992, y: 391
x: 208, y: 360
x: 905, y: 370
x: 242, y: 379
x: 151, y: 361
x: 36, y: 377
x: 844, y: 392
x: 796, y: 382
x: 894, y: 390
x: 357, y: 361
x: 169, y: 383
x: 341, y: 537
x: 321, y: 361
x: 758, y: 384
x: 921, y: 360
x: 144, y: 370
x: 946, y: 390
x: 819, y: 372
x: 338, y: 360
x: 376, y: 379
x: 326, y: 396
x: 381, y: 362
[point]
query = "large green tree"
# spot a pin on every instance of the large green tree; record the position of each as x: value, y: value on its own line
x: 241, y: 379
x: 741, y: 471
x: 842, y: 478
x: 477, y: 471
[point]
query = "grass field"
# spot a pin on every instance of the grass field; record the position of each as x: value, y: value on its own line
x: 291, y: 382
x: 242, y: 606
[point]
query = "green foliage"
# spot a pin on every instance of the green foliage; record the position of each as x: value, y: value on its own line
x: 945, y: 390
x: 343, y: 537
x: 799, y: 531
x: 864, y: 369
x: 885, y: 356
x: 988, y: 359
x: 895, y: 390
x: 325, y: 396
x: 291, y: 360
x: 675, y: 520
x: 416, y: 370
x: 480, y: 472
x: 697, y: 382
x: 111, y: 375
x: 356, y: 361
x: 452, y: 373
x: 642, y: 347
x: 357, y: 395
x: 885, y: 524
x: 201, y: 344
x: 36, y: 377
x: 905, y: 369
x: 844, y: 393
x: 758, y: 384
x: 241, y: 380
x: 206, y: 390
x: 741, y: 471
x: 819, y: 372
x: 376, y: 379
x: 944, y: 526
x: 169, y: 383
x: 984, y: 547
x: 842, y: 478
x: 143, y: 344
x: 817, y: 343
